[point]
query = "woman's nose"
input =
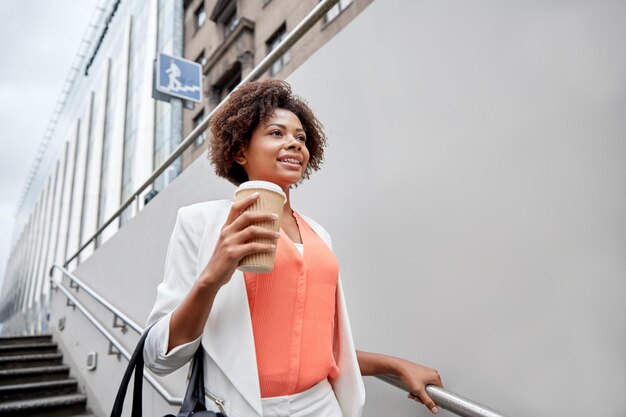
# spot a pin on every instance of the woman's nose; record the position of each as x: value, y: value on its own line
x: 293, y: 142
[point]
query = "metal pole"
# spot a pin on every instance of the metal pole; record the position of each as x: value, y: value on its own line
x: 447, y: 400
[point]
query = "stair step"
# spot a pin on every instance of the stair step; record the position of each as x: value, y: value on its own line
x: 37, y: 389
x: 34, y: 374
x: 62, y: 405
x: 19, y: 340
x: 27, y: 348
x: 34, y: 359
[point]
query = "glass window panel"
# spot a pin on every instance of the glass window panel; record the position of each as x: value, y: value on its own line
x: 196, y: 121
x: 200, y: 16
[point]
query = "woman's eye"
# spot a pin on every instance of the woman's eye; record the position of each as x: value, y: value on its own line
x: 275, y: 132
x: 302, y: 138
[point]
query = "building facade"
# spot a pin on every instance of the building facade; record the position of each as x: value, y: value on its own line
x: 108, y: 136
x: 230, y: 37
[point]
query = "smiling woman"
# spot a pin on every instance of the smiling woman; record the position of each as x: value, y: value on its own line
x: 277, y: 343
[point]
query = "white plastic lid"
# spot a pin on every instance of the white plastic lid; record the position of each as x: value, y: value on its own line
x: 265, y: 185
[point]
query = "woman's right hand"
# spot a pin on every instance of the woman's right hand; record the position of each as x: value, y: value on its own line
x: 233, y: 243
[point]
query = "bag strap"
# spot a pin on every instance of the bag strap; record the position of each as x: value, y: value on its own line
x: 194, y: 394
x: 136, y: 364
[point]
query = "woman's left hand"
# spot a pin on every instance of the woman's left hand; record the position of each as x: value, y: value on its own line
x: 416, y: 377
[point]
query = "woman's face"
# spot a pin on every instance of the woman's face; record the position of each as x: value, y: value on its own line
x: 277, y: 150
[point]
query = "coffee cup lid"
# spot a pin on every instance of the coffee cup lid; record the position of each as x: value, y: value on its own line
x: 265, y: 185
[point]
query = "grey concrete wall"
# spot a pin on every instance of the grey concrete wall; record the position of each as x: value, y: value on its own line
x: 477, y: 162
x: 474, y: 189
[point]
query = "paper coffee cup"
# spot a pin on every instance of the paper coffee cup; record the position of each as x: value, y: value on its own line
x: 271, y: 199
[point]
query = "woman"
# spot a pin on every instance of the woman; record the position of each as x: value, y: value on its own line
x: 276, y: 344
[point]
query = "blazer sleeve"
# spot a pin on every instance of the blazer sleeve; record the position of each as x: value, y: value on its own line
x: 179, y: 277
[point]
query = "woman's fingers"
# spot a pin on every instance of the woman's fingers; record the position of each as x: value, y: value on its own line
x: 255, y: 232
x: 236, y: 244
x: 414, y: 397
x: 241, y: 243
x: 249, y: 217
x: 239, y: 206
x: 235, y: 253
x: 437, y: 381
x: 235, y: 236
x: 256, y: 247
x: 425, y: 399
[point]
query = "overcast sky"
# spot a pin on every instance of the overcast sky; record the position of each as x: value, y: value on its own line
x: 38, y: 42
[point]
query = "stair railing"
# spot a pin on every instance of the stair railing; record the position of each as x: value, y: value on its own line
x: 447, y: 400
x: 76, y: 283
x: 444, y: 399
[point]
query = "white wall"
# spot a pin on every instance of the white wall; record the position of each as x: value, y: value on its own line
x: 473, y: 186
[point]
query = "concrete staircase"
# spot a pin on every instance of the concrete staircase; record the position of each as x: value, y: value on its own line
x: 34, y: 382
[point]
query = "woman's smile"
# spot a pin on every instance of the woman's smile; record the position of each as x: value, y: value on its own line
x: 290, y: 162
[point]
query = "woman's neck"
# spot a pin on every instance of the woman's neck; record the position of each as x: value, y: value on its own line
x: 287, y: 206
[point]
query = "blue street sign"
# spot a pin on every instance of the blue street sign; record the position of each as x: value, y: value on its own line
x: 179, y: 77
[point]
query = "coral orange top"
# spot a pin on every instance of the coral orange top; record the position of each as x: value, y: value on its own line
x: 293, y: 315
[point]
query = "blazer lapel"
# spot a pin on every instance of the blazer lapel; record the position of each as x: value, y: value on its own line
x: 228, y: 338
x: 349, y: 388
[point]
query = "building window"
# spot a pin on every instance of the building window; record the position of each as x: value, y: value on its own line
x: 336, y: 10
x: 225, y: 15
x: 227, y: 83
x: 200, y: 16
x: 196, y: 121
x: 107, y: 140
x: 272, y: 43
x: 230, y: 22
x: 201, y: 59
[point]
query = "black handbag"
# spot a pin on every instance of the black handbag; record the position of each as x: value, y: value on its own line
x: 193, y: 403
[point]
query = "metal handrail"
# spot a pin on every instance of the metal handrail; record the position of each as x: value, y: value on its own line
x: 117, y: 312
x: 446, y: 399
x: 158, y: 387
x: 300, y: 30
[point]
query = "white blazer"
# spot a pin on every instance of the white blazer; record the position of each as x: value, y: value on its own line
x: 230, y: 369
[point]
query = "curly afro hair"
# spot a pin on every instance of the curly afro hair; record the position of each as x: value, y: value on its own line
x: 248, y: 106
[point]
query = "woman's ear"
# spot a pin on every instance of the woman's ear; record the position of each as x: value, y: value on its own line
x: 240, y: 157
